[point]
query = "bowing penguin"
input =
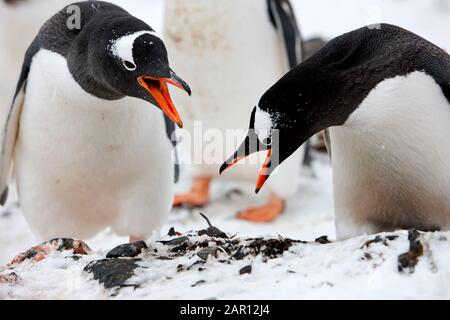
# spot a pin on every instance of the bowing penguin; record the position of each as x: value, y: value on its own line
x: 90, y: 149
x: 230, y: 51
x: 383, y: 94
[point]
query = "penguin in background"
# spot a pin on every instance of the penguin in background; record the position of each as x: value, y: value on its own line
x: 383, y: 94
x: 20, y: 21
x: 85, y: 139
x: 231, y: 50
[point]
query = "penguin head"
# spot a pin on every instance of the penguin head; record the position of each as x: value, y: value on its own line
x: 135, y: 64
x: 310, y: 98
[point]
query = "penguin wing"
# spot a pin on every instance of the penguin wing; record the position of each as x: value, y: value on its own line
x: 171, y: 134
x: 10, y: 126
x: 327, y: 140
x: 283, y: 18
x: 10, y: 123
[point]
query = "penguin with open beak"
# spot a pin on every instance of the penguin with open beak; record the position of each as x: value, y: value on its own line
x: 383, y: 95
x: 90, y: 147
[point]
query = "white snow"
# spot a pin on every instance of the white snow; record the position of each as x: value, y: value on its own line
x: 338, y: 270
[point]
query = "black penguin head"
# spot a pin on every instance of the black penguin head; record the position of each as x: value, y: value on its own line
x: 126, y: 58
x: 326, y: 89
x: 316, y: 95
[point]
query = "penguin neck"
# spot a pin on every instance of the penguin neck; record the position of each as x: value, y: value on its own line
x: 86, y: 75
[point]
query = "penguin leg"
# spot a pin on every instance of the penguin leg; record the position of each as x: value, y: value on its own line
x: 265, y: 213
x: 198, y: 196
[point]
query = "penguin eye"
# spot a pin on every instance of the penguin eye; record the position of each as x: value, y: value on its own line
x: 130, y: 66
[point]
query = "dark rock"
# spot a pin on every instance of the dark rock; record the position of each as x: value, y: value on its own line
x: 213, y: 232
x: 128, y: 250
x: 410, y: 259
x: 113, y: 272
x: 246, y: 270
x: 206, y: 252
x: 323, y: 240
x: 163, y: 258
x: 196, y: 263
x: 367, y: 244
x: 239, y: 255
x: 172, y: 232
x: 272, y: 248
x: 175, y: 242
x: 367, y: 256
x: 198, y: 283
x: 379, y: 239
x: 180, y: 268
x: 392, y: 238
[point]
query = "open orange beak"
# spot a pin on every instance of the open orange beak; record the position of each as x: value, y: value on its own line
x: 251, y: 145
x: 157, y: 87
x: 264, y: 173
x: 243, y: 153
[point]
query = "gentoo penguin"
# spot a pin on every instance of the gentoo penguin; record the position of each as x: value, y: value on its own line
x: 384, y: 94
x: 230, y: 51
x: 20, y: 21
x: 91, y: 150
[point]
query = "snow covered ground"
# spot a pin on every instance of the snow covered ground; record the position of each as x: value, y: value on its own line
x: 336, y: 270
x: 358, y: 268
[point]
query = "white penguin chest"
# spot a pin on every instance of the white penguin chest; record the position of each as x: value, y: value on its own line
x: 75, y: 137
x: 390, y: 159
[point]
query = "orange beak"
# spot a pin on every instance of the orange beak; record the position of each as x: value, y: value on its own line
x: 157, y: 87
x: 264, y: 174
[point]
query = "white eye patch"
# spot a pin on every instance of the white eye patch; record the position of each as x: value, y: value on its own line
x: 263, y: 124
x: 123, y: 48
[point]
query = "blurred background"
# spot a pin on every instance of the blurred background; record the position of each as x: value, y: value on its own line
x: 328, y: 18
x: 311, y: 214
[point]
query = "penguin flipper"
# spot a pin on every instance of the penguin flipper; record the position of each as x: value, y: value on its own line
x: 171, y: 135
x: 327, y: 139
x: 282, y: 16
x: 10, y: 127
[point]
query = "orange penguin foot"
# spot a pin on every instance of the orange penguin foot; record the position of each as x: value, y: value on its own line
x: 197, y: 197
x: 265, y: 213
